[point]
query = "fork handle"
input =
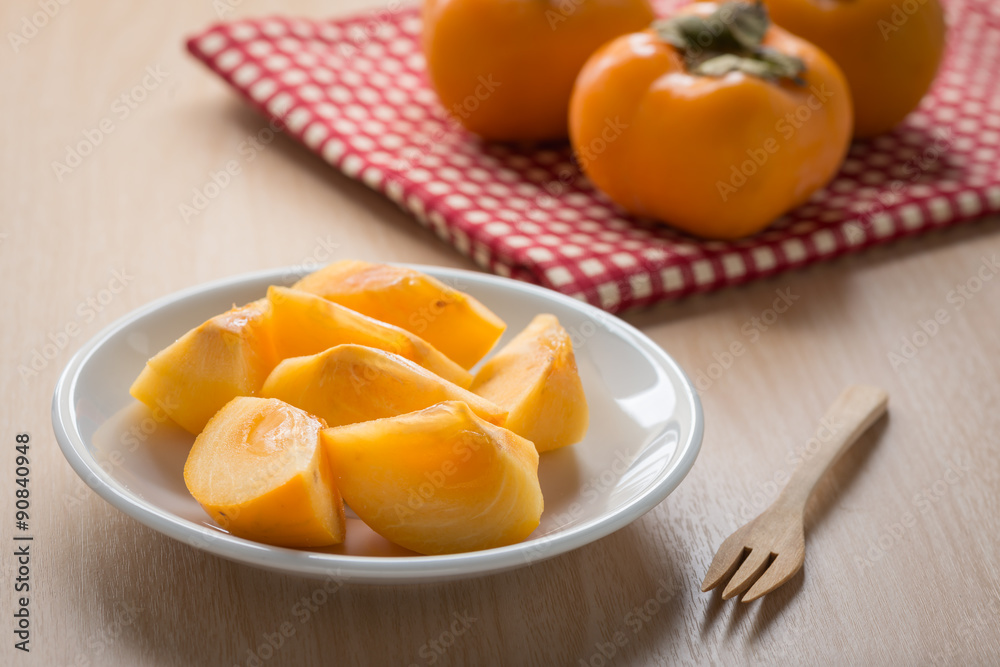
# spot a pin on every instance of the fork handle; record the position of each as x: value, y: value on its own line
x: 857, y: 408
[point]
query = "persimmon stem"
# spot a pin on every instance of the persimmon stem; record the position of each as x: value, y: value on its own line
x: 730, y: 39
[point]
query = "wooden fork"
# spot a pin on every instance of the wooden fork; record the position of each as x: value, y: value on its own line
x: 769, y: 550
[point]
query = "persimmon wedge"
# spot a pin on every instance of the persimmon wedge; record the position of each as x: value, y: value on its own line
x: 306, y: 324
x: 353, y: 383
x: 453, y: 322
x: 258, y: 469
x: 230, y: 355
x: 439, y: 480
x: 535, y: 378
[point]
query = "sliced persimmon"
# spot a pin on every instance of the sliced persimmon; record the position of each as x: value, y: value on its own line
x: 438, y: 480
x: 353, y: 383
x: 230, y: 355
x: 452, y: 321
x: 258, y: 469
x: 535, y: 378
x: 306, y: 324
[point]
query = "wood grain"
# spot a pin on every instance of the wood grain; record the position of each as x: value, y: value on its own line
x: 902, y: 564
x: 769, y: 550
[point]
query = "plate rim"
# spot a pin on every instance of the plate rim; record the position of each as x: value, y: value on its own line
x: 365, y: 569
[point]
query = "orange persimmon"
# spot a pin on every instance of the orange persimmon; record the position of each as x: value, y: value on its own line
x: 535, y: 378
x: 505, y: 68
x: 348, y: 384
x: 452, y: 321
x: 439, y: 480
x: 889, y: 50
x: 258, y: 469
x: 713, y: 121
x: 227, y: 356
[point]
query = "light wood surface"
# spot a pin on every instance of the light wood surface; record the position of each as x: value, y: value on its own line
x: 903, y: 563
x: 769, y: 550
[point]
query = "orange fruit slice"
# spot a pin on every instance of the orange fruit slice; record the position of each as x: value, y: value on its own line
x: 453, y: 322
x: 534, y: 377
x: 306, y: 324
x: 353, y: 383
x: 230, y: 355
x: 258, y: 469
x: 439, y: 480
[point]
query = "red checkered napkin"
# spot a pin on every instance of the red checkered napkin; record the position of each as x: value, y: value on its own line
x: 354, y: 90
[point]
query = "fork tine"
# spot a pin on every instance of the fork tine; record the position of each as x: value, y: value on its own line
x: 755, y: 563
x: 726, y: 560
x: 781, y: 570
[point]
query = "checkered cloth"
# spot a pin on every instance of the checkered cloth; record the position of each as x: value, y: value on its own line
x: 354, y: 90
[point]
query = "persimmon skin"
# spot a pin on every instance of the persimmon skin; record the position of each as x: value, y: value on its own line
x: 535, y: 378
x: 718, y: 157
x: 504, y: 69
x: 889, y: 56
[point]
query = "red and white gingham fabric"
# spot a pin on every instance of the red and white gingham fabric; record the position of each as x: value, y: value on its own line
x: 355, y: 91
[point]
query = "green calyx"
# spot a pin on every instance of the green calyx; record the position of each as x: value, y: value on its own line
x: 729, y: 40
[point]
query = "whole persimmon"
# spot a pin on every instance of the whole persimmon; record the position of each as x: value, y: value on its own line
x: 713, y: 121
x: 504, y: 69
x: 889, y: 50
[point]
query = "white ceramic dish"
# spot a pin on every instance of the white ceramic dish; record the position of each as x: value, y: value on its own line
x: 645, y: 432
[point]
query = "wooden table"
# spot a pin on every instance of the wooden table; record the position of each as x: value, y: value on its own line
x: 903, y: 547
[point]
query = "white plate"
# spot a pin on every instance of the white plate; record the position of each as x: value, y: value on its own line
x: 645, y: 432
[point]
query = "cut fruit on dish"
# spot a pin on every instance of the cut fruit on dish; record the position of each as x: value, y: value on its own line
x: 439, y: 480
x: 306, y: 324
x: 347, y: 384
x: 534, y: 377
x: 453, y: 322
x: 230, y: 355
x: 259, y: 470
